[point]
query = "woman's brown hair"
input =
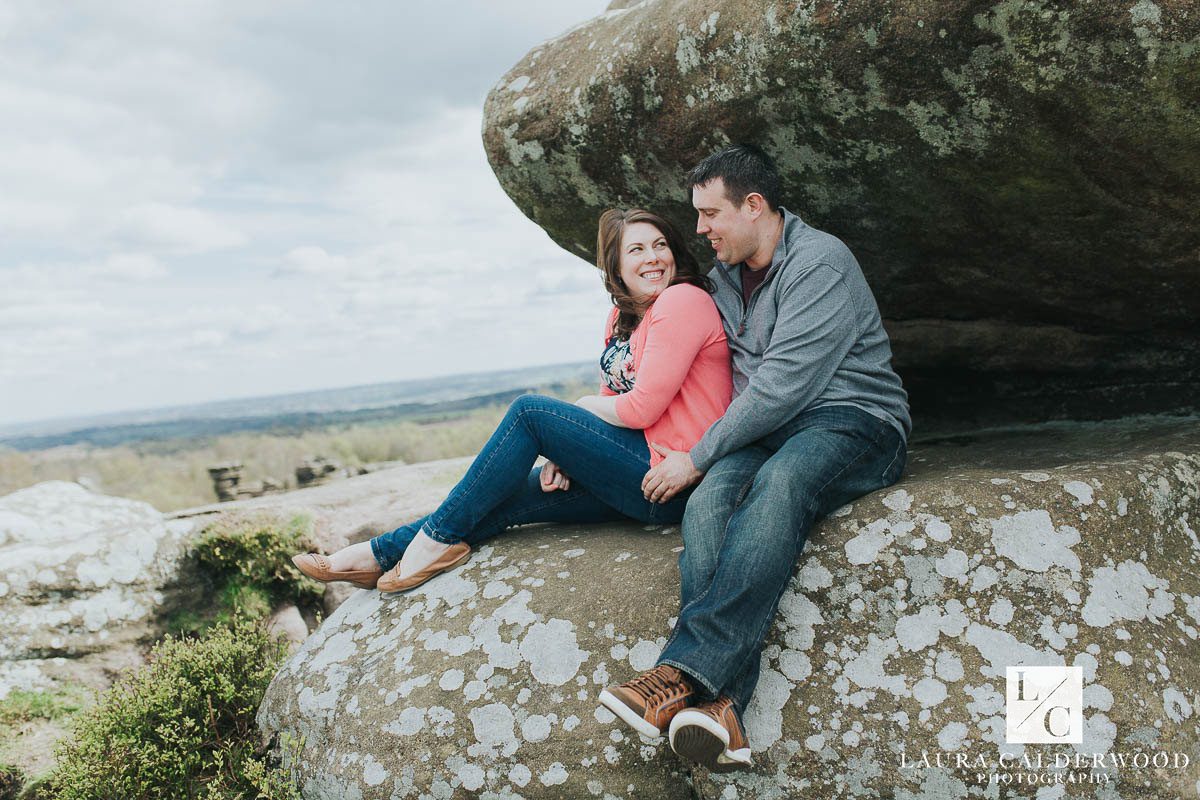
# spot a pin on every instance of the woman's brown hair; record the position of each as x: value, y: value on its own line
x: 608, y: 259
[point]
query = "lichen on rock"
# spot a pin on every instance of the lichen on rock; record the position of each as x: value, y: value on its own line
x: 484, y: 681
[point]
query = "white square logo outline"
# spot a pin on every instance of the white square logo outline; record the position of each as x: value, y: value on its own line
x: 1044, y: 705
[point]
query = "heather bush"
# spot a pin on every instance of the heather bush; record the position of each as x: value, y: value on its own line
x: 180, y: 727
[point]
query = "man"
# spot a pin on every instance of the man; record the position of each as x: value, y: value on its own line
x: 818, y: 419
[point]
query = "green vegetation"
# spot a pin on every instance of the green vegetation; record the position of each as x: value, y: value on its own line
x: 173, y: 473
x: 249, y: 561
x: 24, y: 714
x: 24, y: 706
x: 181, y: 727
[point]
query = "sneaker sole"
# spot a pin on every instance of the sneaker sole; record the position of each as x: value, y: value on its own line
x: 628, y: 715
x: 698, y: 740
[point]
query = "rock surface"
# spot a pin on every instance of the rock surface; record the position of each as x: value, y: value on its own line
x: 1055, y: 545
x: 1018, y: 179
x: 82, y: 577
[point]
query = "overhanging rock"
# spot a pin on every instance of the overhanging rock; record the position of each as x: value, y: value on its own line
x: 1018, y: 179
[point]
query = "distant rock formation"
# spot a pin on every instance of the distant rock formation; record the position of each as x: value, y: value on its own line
x: 1019, y: 180
x: 317, y: 469
x: 314, y: 470
x: 227, y: 483
x: 1055, y: 545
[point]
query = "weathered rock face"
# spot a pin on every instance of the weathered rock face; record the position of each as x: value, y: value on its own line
x: 1018, y: 179
x: 85, y: 578
x: 82, y: 578
x: 892, y: 642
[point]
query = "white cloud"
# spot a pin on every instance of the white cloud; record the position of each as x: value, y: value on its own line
x: 313, y: 260
x: 176, y: 229
x: 213, y: 199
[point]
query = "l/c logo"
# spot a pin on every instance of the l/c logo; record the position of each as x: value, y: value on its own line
x: 1044, y: 705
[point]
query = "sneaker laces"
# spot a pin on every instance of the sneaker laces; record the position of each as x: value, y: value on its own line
x: 656, y: 685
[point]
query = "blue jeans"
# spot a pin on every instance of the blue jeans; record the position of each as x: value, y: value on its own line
x: 606, y: 465
x: 747, y: 523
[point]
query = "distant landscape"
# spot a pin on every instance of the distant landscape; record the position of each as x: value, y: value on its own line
x: 162, y: 456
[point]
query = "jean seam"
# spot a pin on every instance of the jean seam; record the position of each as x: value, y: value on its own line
x: 899, y: 449
x: 438, y: 537
x: 741, y: 496
x: 375, y: 552
x: 433, y: 534
x: 548, y: 502
x: 847, y: 466
x: 692, y: 673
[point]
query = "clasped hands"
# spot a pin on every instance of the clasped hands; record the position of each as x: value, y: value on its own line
x: 671, y: 476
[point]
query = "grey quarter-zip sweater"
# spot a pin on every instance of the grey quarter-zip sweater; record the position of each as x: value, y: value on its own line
x: 810, y: 336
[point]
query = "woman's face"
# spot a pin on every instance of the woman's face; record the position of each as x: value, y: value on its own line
x: 647, y: 263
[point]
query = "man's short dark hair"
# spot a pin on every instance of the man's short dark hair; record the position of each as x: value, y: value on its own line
x: 744, y: 168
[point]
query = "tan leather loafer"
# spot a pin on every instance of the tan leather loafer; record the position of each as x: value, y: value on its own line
x: 316, y: 566
x: 456, y: 554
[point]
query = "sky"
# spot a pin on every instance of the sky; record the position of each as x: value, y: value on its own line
x: 230, y: 198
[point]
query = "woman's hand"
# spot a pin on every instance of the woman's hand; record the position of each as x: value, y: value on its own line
x: 553, y: 478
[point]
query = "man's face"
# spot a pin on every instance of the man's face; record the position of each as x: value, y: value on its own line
x: 729, y: 228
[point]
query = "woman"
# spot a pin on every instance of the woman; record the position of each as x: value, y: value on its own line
x: 665, y: 379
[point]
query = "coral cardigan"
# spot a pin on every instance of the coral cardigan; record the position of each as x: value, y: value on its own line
x: 683, y: 380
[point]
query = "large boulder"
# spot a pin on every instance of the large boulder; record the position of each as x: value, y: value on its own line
x: 1068, y: 545
x: 1018, y: 179
x: 83, y: 577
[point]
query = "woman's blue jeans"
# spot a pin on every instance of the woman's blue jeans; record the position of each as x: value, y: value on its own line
x: 606, y: 465
x: 747, y: 523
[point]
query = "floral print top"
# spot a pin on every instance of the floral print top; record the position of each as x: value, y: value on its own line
x: 616, y: 366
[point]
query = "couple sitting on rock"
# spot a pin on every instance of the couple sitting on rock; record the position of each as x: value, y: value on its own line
x: 768, y: 383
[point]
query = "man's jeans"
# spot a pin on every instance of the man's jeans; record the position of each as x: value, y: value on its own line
x: 605, y: 463
x: 746, y: 524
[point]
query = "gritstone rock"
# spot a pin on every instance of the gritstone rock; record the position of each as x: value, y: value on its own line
x: 1019, y: 180
x: 82, y: 578
x: 1068, y: 545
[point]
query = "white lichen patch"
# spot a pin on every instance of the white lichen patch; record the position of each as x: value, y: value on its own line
x: 553, y: 652
x: 1082, y: 492
x: 1128, y: 592
x: 866, y: 546
x: 764, y: 716
x: 922, y: 629
x: 899, y: 500
x: 1002, y: 650
x: 1030, y: 540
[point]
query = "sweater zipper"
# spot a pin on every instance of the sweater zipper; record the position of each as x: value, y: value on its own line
x: 747, y: 303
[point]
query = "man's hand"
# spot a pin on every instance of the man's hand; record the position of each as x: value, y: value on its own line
x: 674, y: 473
x: 554, y: 479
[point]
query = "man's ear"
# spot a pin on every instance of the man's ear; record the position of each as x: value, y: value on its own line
x: 755, y: 204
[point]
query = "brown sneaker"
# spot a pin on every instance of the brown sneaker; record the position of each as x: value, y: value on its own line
x: 648, y: 702
x: 455, y: 554
x: 316, y: 566
x: 711, y: 734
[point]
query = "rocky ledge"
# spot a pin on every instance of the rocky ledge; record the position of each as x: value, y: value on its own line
x: 1056, y: 545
